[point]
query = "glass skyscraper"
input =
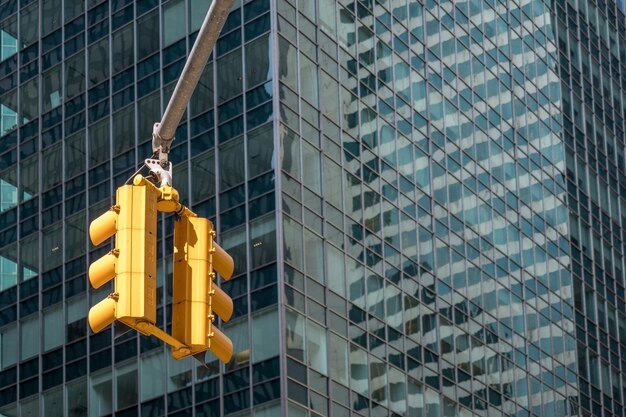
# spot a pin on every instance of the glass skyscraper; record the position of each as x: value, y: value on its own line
x: 425, y: 201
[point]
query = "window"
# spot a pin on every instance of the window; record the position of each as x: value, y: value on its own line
x: 203, y: 176
x: 316, y: 347
x: 152, y: 366
x: 99, y: 62
x: 29, y: 338
x: 77, y: 398
x: 53, y: 403
x: 122, y: 49
x: 232, y: 172
x: 229, y: 76
x: 358, y: 370
x: 263, y: 241
x: 8, y: 40
x: 29, y: 24
x: 127, y: 385
x: 8, y: 267
x: 174, y: 27
x: 51, y: 15
x: 179, y: 373
x: 76, y: 320
x: 53, y: 334
x: 261, y: 157
x: 52, y: 247
x: 258, y: 62
x: 75, y: 154
x: 238, y: 334
x: 294, y: 335
x: 29, y: 250
x: 30, y: 100
x: 264, y: 335
x: 101, y: 399
x: 8, y: 346
x: 147, y: 43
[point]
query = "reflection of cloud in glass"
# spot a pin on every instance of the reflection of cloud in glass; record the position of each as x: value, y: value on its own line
x: 8, y: 119
x: 8, y: 45
x: 8, y: 273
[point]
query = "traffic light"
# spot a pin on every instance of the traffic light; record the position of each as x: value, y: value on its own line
x: 196, y: 297
x: 132, y: 262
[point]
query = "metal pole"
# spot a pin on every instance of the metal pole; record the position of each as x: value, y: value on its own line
x: 163, y: 133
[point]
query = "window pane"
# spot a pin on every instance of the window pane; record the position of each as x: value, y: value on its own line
x: 123, y: 128
x: 202, y: 98
x: 260, y: 151
x: 52, y: 247
x: 122, y: 49
x: 99, y: 143
x: 75, y: 154
x: 238, y: 334
x: 338, y: 359
x: 235, y: 243
x: 316, y: 347
x: 147, y: 43
x: 75, y: 75
x: 29, y: 250
x: 8, y: 267
x: 53, y: 403
x: 76, y: 314
x: 314, y: 253
x: 127, y: 385
x: 8, y: 112
x: 30, y: 101
x: 99, y: 61
x: 232, y: 171
x: 308, y: 80
x: 173, y: 22
x: 294, y: 335
x: 101, y: 400
x: 51, y: 15
x: 358, y: 370
x: 77, y: 397
x: 29, y: 24
x: 8, y: 38
x: 53, y: 334
x: 52, y: 166
x: 8, y: 346
x: 258, y: 62
x: 151, y: 372
x: 52, y: 92
x: 229, y: 76
x: 265, y: 336
x: 263, y: 241
x: 29, y: 338
x: 203, y: 177
x: 378, y: 380
x: 311, y: 167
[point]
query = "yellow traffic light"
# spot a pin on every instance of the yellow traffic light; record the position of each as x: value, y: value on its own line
x: 196, y: 298
x: 132, y: 262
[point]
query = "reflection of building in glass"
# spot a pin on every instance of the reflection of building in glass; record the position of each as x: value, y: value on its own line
x: 423, y: 200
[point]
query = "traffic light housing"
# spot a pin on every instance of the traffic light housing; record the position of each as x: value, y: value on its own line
x: 196, y: 297
x: 132, y: 262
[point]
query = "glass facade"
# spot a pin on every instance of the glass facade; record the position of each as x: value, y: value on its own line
x: 592, y: 62
x: 423, y: 200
